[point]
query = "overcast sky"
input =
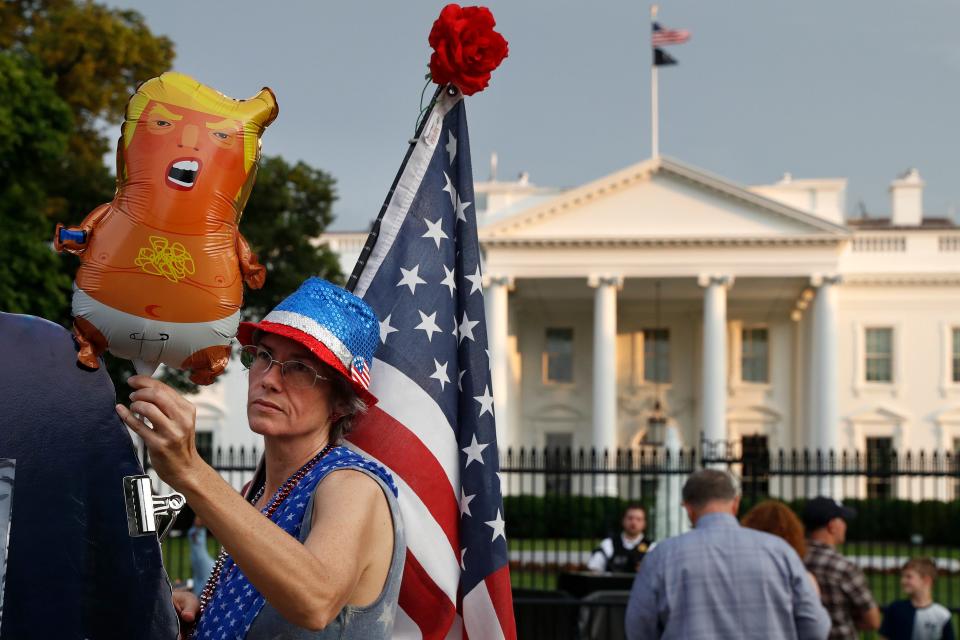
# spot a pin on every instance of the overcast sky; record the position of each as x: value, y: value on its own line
x: 861, y: 89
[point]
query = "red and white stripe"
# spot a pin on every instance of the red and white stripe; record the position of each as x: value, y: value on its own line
x: 409, y: 434
x: 663, y: 37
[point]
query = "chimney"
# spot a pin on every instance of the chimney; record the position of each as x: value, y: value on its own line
x: 906, y: 196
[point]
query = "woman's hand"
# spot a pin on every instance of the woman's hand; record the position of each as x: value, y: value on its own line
x: 188, y: 607
x: 171, y: 440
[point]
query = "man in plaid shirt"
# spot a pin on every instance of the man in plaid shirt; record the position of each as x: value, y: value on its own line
x: 843, y: 587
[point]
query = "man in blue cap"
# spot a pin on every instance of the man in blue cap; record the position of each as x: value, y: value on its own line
x: 843, y: 587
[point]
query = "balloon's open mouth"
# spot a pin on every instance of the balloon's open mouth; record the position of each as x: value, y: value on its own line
x: 182, y: 174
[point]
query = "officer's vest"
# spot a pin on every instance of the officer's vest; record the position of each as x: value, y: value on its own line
x: 626, y: 560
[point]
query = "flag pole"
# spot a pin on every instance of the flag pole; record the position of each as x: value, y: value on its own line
x: 654, y: 97
x: 375, y: 228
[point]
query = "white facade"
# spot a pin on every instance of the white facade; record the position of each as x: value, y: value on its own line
x: 777, y: 316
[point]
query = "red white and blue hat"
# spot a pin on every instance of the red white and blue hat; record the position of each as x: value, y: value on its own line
x: 335, y: 325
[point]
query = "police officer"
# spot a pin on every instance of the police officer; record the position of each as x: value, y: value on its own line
x: 623, y: 553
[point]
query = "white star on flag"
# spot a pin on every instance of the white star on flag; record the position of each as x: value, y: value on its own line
x: 463, y: 555
x: 460, y: 379
x: 451, y: 146
x: 451, y: 190
x: 456, y: 331
x: 435, y: 230
x: 448, y: 280
x: 386, y: 329
x: 486, y: 401
x: 466, y: 327
x: 498, y: 525
x: 474, y: 452
x: 462, y: 209
x: 428, y: 324
x: 440, y: 374
x: 411, y: 278
x: 476, y: 281
x: 465, y: 501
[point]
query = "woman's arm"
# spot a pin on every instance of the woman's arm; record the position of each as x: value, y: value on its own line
x: 336, y: 552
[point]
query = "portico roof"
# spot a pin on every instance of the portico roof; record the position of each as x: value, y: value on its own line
x: 659, y: 201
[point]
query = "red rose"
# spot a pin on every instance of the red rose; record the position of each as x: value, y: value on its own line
x: 465, y: 48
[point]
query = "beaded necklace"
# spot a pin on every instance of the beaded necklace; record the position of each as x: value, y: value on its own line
x: 208, y: 590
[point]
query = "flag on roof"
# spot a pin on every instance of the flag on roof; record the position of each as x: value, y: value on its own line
x: 662, y: 37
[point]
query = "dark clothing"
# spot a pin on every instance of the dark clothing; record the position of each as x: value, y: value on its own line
x: 843, y: 589
x: 616, y: 556
x: 903, y: 621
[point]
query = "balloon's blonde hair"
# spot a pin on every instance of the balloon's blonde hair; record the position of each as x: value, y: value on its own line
x: 254, y: 114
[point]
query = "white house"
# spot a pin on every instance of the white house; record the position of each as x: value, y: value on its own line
x: 662, y: 294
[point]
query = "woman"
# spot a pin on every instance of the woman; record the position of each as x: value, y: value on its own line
x: 315, y: 549
x: 778, y: 519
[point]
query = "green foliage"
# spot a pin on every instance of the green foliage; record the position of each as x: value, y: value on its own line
x: 564, y: 516
x: 588, y: 517
x: 34, y: 126
x: 290, y: 206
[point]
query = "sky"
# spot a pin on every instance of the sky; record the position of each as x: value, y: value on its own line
x: 861, y: 89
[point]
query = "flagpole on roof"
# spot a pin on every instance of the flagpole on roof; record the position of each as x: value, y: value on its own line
x: 654, y: 98
x: 375, y: 228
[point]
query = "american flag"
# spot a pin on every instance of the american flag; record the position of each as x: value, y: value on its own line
x: 434, y: 425
x: 662, y: 36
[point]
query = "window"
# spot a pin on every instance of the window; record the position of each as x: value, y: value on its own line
x: 558, y: 357
x: 756, y: 466
x: 880, y: 463
x: 956, y: 354
x: 656, y: 355
x: 879, y: 355
x: 753, y: 355
x: 205, y: 446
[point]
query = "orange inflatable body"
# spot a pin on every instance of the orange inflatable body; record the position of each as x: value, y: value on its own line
x: 163, y: 264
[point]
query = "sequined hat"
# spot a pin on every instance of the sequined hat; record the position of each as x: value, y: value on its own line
x: 335, y: 325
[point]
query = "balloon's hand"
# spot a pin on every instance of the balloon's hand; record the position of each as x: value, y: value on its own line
x: 188, y: 608
x: 70, y: 239
x: 254, y: 273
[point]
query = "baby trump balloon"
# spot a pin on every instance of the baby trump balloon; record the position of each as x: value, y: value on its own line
x: 162, y: 266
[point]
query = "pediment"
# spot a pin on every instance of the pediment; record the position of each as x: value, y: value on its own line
x: 559, y: 413
x: 658, y: 199
x: 878, y: 415
x: 949, y: 416
x: 754, y: 414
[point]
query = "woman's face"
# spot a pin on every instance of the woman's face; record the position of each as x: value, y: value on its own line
x: 276, y: 409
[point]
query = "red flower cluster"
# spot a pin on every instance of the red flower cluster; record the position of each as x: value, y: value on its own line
x: 466, y: 49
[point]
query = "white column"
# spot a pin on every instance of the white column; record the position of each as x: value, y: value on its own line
x: 605, y: 362
x: 498, y: 290
x: 824, y: 360
x: 714, y: 368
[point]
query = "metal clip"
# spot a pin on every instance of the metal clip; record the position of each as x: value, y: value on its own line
x: 146, y: 513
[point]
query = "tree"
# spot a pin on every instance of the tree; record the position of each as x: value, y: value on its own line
x: 290, y: 206
x: 34, y: 126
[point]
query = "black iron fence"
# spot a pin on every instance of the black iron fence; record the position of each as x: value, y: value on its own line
x: 559, y: 504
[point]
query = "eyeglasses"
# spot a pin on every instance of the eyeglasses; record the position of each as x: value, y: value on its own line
x: 298, y: 375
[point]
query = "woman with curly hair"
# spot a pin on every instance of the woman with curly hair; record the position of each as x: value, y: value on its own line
x: 775, y: 517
